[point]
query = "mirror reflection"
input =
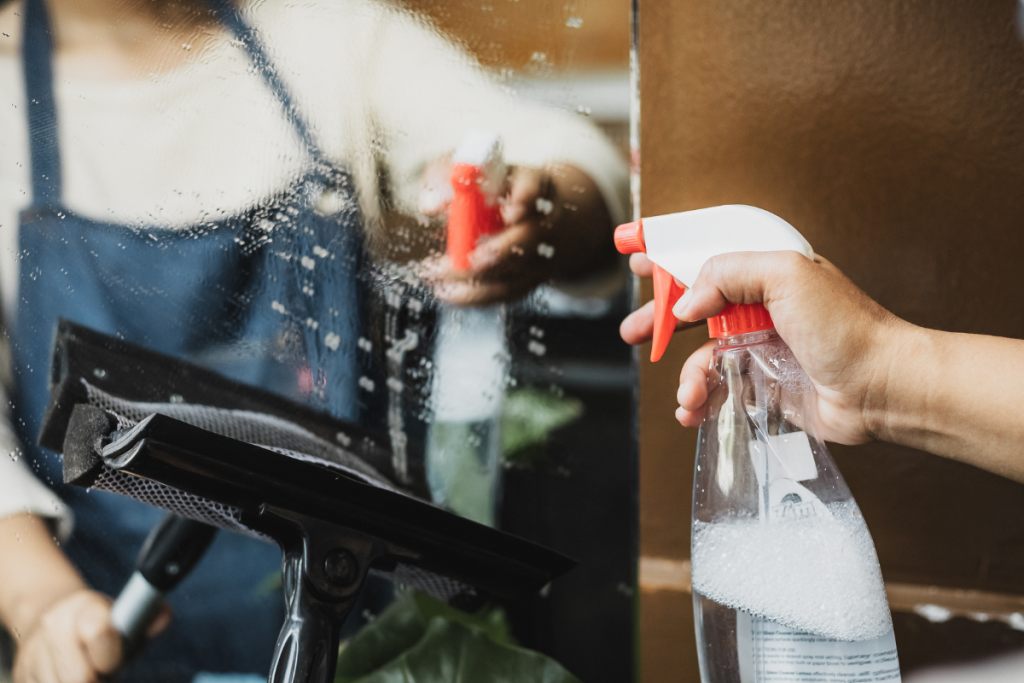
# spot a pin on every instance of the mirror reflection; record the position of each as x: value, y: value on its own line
x: 395, y: 216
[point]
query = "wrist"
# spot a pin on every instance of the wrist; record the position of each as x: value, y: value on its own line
x: 896, y: 408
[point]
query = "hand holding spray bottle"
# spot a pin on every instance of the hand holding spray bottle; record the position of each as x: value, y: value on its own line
x: 471, y: 356
x: 786, y: 583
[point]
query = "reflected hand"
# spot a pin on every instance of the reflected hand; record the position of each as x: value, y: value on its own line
x: 556, y: 224
x: 74, y: 641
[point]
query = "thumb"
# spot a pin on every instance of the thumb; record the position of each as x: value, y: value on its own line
x: 739, y: 278
x: 162, y: 621
x: 99, y: 638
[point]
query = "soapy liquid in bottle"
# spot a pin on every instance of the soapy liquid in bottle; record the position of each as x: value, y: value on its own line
x: 786, y: 583
x: 802, y: 597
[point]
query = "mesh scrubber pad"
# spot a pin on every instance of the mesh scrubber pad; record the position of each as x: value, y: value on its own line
x: 259, y: 429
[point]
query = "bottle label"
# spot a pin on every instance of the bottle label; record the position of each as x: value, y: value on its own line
x: 769, y: 652
x: 783, y: 456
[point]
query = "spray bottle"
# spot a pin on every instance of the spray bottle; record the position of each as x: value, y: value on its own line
x: 786, y: 582
x: 471, y: 357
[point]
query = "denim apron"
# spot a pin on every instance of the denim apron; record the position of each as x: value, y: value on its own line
x: 269, y: 297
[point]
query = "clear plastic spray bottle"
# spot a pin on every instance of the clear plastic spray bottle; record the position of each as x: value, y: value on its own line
x: 786, y: 583
x: 471, y: 356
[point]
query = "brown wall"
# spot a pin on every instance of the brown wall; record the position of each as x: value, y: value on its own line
x: 507, y: 34
x: 891, y: 133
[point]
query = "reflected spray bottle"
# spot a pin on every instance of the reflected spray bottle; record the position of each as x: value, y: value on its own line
x: 786, y: 582
x: 471, y: 352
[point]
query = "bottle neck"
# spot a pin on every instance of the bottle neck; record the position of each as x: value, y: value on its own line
x: 749, y: 338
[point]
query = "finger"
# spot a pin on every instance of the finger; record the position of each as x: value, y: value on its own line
x: 433, y: 200
x: 67, y: 658
x: 432, y: 268
x: 742, y: 277
x: 476, y: 293
x: 641, y: 265
x: 43, y: 667
x: 693, y: 379
x: 508, y: 257
x: 33, y: 663
x: 162, y: 621
x: 526, y: 185
x: 101, y: 641
x: 435, y: 188
x: 638, y: 326
x: 511, y: 244
x: 59, y: 653
x: 689, y: 418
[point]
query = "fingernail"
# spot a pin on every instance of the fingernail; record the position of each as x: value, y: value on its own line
x: 680, y: 307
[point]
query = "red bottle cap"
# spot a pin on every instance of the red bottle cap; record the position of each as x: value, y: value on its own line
x: 629, y: 238
x: 739, y: 319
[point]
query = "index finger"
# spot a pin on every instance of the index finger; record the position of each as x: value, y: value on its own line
x: 641, y: 265
x: 638, y: 326
x: 101, y: 641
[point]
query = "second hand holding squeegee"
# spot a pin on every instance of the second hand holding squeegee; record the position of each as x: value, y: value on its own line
x: 679, y: 244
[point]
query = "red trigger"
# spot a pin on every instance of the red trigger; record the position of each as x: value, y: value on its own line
x: 666, y: 293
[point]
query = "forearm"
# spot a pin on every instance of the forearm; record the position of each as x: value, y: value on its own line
x: 34, y: 573
x: 958, y: 396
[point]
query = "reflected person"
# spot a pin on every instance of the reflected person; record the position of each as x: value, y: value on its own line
x: 170, y: 170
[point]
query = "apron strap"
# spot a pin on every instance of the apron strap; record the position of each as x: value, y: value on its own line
x: 227, y: 13
x: 37, y: 62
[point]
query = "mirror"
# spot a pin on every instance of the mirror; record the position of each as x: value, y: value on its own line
x: 398, y: 213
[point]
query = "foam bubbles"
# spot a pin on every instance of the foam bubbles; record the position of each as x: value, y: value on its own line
x: 817, y: 575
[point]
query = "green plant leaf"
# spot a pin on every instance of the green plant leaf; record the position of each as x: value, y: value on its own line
x: 530, y: 415
x: 421, y: 640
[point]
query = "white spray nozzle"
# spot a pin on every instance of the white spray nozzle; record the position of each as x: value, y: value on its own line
x: 482, y: 148
x: 682, y: 243
x: 679, y: 244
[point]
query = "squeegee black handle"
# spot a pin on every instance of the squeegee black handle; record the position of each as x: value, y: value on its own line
x: 171, y: 550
